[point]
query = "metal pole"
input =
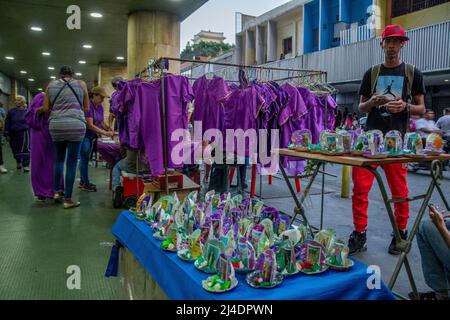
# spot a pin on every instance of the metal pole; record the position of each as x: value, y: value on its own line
x: 164, y: 129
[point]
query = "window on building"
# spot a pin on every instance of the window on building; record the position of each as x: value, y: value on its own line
x: 402, y: 7
x: 287, y: 45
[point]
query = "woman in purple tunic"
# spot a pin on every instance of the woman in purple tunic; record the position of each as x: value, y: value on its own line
x: 16, y: 131
x: 41, y: 150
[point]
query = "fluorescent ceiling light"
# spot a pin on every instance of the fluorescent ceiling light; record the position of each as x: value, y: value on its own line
x: 39, y: 29
x: 120, y: 58
x: 51, y: 68
x: 82, y: 62
x: 40, y: 89
x: 23, y: 72
x: 446, y: 80
x: 53, y: 77
x: 78, y: 74
x: 31, y: 79
x: 87, y: 46
x: 96, y: 15
x: 45, y: 53
x: 9, y: 58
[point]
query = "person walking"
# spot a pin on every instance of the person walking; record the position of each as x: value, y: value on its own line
x: 41, y: 147
x: 426, y: 125
x: 2, y: 125
x: 95, y: 126
x: 67, y: 100
x: 17, y: 133
x: 405, y: 82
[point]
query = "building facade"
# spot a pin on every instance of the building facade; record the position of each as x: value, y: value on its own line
x: 208, y: 36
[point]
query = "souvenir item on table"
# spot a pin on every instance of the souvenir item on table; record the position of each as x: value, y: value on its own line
x: 163, y: 225
x: 257, y: 207
x: 209, y: 209
x: 139, y: 215
x: 268, y: 230
x: 434, y: 145
x: 216, y: 221
x: 229, y: 241
x: 227, y: 225
x: 208, y: 196
x: 273, y: 215
x: 301, y: 140
x: 171, y: 241
x: 236, y: 215
x: 413, y: 145
x: 312, y: 257
x: 246, y: 206
x: 255, y: 235
x: 194, y: 249
x: 144, y: 202
x: 265, y: 275
x: 323, y: 138
x: 361, y: 144
x: 244, y: 226
x: 198, y: 214
x: 215, y: 201
x: 305, y: 233
x: 285, y: 224
x: 332, y: 144
x: 224, y: 280
x: 245, y: 260
x: 211, y: 251
x: 287, y: 258
x: 338, y: 259
x: 294, y: 236
x: 206, y: 232
x: 347, y: 141
x: 393, y: 143
x: 327, y: 238
x: 375, y: 145
x: 237, y: 200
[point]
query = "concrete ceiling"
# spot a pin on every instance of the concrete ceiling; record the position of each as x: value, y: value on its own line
x: 107, y: 35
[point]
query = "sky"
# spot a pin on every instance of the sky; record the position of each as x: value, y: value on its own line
x: 219, y: 16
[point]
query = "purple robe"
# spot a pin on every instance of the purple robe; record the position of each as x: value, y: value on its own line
x: 209, y: 98
x: 110, y: 152
x: 41, y: 149
x: 16, y: 128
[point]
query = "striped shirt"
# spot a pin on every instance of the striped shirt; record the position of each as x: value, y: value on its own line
x: 66, y: 121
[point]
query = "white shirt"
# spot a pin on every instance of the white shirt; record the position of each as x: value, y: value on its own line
x: 444, y: 124
x: 423, y: 123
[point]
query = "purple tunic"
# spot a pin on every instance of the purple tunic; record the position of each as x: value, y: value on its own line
x: 96, y: 114
x: 209, y: 98
x: 41, y: 149
x: 16, y: 128
x: 110, y: 152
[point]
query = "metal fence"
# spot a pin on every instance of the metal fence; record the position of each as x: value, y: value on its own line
x: 353, y: 35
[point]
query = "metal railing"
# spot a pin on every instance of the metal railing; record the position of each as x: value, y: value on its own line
x: 354, y: 35
x: 402, y: 7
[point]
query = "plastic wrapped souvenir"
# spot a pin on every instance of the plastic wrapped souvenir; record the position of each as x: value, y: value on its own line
x: 208, y: 196
x: 338, y: 259
x: 285, y: 224
x: 163, y: 225
x: 375, y: 145
x: 229, y: 241
x: 393, y: 143
x: 327, y: 238
x: 244, y: 226
x: 211, y: 251
x: 206, y: 232
x: 413, y: 144
x: 216, y: 221
x: 245, y: 260
x: 144, y: 202
x: 347, y: 141
x: 434, y: 144
x: 255, y: 235
x: 194, y: 249
x: 301, y: 140
x: 257, y: 207
x: 224, y: 280
x: 170, y: 234
x: 287, y: 258
x: 273, y: 215
x: 294, y: 236
x: 269, y: 230
x: 265, y: 275
x: 312, y: 257
x: 361, y: 144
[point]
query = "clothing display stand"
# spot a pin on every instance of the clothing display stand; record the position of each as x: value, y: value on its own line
x: 403, y: 245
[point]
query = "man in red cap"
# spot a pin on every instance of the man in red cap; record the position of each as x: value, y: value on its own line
x: 390, y: 94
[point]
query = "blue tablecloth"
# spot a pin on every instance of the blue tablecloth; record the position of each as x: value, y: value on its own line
x: 180, y: 280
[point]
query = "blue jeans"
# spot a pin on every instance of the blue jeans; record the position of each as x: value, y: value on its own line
x: 85, y: 154
x: 72, y: 149
x: 435, y: 256
x: 117, y: 173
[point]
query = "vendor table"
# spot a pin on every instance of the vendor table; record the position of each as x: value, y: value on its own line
x: 180, y: 280
x: 370, y: 164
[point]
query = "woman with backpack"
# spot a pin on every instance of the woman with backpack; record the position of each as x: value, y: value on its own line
x: 67, y: 100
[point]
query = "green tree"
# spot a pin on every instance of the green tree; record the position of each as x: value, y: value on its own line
x: 208, y: 49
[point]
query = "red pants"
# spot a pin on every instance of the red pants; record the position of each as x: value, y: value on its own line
x: 362, y: 183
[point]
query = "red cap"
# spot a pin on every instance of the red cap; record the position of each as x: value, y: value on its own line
x: 394, y: 31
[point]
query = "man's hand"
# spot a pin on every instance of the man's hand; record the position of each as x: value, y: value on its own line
x: 396, y: 106
x: 437, y: 218
x: 109, y: 134
x: 377, y: 100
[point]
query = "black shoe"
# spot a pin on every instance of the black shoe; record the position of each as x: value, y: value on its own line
x: 393, y: 246
x: 19, y: 166
x: 89, y: 187
x: 118, y: 197
x: 357, y: 242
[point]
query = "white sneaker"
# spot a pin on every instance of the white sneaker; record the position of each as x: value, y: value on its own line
x: 3, y: 169
x: 26, y: 169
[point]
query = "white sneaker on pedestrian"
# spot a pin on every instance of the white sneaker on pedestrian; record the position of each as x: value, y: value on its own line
x: 26, y: 169
x: 3, y: 169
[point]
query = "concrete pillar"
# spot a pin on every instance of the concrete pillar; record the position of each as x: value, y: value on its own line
x: 260, y: 45
x: 238, y: 52
x: 13, y: 95
x: 250, y: 48
x: 272, y: 41
x: 152, y: 35
x: 106, y: 72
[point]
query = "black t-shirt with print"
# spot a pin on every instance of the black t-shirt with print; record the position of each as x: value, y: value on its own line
x: 392, y: 82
